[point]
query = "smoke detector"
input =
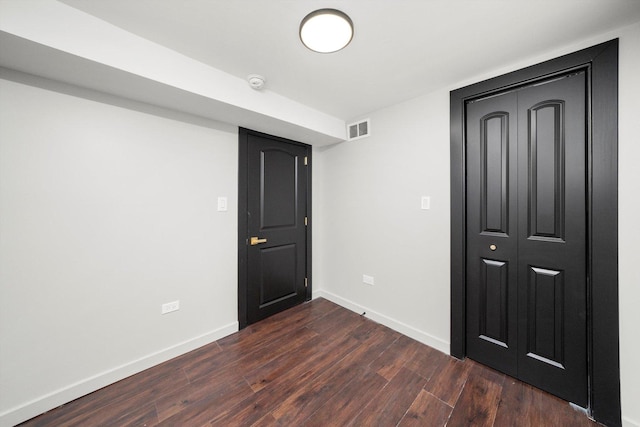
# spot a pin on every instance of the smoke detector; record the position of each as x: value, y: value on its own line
x: 256, y: 81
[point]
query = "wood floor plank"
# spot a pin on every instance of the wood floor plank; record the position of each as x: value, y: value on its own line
x: 365, y: 329
x: 294, y: 363
x: 389, y: 363
x: 202, y: 407
x: 254, y: 408
x: 266, y: 421
x: 206, y: 366
x: 370, y: 329
x: 278, y: 325
x: 486, y: 372
x: 144, y: 387
x: 343, y: 406
x: 426, y: 411
x: 447, y: 383
x: 182, y: 397
x: 280, y: 387
x: 115, y: 416
x: 336, y: 321
x: 427, y: 361
x: 250, y: 358
x: 478, y: 403
x: 247, y: 412
x: 303, y: 402
x: 119, y: 414
x: 193, y: 357
x: 308, y: 398
x: 390, y: 405
x: 266, y: 353
x: 526, y: 406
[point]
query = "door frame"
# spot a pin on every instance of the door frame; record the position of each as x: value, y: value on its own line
x: 243, y: 228
x: 601, y: 65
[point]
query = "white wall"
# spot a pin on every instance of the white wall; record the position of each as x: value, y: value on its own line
x: 629, y: 232
x: 106, y: 212
x: 368, y: 219
x: 367, y: 213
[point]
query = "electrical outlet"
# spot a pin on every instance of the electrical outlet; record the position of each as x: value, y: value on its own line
x: 170, y: 306
x: 368, y: 280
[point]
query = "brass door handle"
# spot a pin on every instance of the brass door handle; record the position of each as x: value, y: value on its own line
x: 256, y: 241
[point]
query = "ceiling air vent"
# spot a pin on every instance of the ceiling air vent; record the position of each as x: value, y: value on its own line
x: 358, y: 130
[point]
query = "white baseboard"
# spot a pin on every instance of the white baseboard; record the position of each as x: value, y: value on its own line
x: 627, y: 422
x: 394, y: 324
x: 73, y: 391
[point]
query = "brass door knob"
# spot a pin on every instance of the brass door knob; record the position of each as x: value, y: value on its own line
x: 493, y: 247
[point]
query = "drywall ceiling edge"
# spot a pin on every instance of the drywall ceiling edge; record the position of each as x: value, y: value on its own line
x: 55, y: 41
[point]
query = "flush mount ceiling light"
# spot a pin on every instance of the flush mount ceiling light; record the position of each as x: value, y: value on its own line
x: 326, y: 30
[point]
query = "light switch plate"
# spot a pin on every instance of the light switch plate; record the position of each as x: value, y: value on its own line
x: 222, y: 204
x: 425, y: 202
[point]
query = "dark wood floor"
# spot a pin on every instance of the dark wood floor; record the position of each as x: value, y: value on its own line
x: 316, y: 365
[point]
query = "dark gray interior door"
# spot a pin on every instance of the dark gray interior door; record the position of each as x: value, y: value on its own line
x: 276, y: 212
x: 526, y: 234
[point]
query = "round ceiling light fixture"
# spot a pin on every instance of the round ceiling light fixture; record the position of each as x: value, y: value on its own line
x: 326, y: 30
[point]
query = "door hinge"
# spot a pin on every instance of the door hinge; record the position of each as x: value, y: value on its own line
x: 305, y: 221
x: 306, y: 160
x: 306, y: 282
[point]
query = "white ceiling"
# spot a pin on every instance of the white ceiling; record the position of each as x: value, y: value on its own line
x: 401, y: 48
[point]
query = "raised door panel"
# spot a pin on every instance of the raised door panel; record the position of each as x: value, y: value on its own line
x: 278, y: 273
x: 494, y: 171
x: 278, y: 192
x: 545, y: 129
x: 545, y: 340
x: 494, y: 296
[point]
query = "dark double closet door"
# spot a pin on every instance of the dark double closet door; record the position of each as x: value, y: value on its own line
x: 526, y: 237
